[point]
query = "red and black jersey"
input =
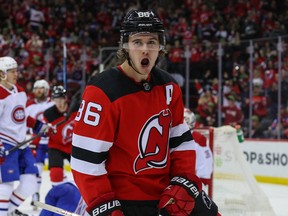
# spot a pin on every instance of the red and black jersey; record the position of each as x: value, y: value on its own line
x: 62, y: 139
x: 130, y: 138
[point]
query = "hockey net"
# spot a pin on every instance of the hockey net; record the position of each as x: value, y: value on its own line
x: 234, y: 188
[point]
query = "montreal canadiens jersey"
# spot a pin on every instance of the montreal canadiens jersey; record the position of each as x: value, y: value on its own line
x: 130, y: 138
x: 36, y: 109
x: 204, y: 157
x: 13, y: 114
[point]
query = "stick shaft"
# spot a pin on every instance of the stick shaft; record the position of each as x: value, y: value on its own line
x: 54, y: 209
x: 31, y: 139
x: 22, y: 144
x: 74, y: 100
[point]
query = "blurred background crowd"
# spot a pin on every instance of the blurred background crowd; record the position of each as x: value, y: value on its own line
x: 34, y: 31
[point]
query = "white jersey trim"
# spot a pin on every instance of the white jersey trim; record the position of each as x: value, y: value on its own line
x: 189, y: 145
x: 88, y: 168
x: 179, y: 130
x: 90, y: 144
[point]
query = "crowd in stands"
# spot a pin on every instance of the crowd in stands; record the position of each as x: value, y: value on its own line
x: 33, y: 32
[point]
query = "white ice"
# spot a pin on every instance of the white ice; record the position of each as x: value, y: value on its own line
x: 277, y: 194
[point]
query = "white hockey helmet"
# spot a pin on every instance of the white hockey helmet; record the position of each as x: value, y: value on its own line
x: 189, y: 117
x: 7, y: 63
x: 42, y: 84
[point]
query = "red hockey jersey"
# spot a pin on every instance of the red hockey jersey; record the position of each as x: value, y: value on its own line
x: 130, y: 138
x: 62, y: 140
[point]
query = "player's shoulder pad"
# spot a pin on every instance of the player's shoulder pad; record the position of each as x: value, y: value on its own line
x: 114, y: 83
x: 199, y: 138
x: 30, y: 102
x: 161, y: 77
x: 19, y: 88
x: 51, y: 114
x: 3, y: 93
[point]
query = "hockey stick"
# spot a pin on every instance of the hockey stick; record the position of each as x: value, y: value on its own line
x: 170, y: 201
x: 53, y: 209
x: 67, y: 115
x: 7, y: 152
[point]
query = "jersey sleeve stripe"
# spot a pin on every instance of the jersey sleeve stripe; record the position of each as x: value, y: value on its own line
x: 89, y: 156
x: 176, y: 141
x: 87, y: 167
x: 178, y: 130
x: 189, y: 145
x: 91, y: 144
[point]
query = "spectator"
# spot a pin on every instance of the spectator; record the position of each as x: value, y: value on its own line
x: 259, y: 102
x: 190, y: 22
x: 175, y: 57
x: 258, y: 131
x: 232, y: 113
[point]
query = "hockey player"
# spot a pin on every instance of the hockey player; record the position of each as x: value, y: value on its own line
x: 36, y: 108
x: 132, y: 153
x: 60, y: 143
x: 20, y: 163
x: 204, y: 158
x: 65, y: 196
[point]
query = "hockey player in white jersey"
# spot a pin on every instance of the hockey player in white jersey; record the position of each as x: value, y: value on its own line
x: 35, y: 108
x: 18, y: 164
x: 204, y: 157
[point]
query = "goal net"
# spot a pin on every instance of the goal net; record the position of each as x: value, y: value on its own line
x: 234, y: 188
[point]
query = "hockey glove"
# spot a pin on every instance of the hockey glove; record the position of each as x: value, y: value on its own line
x: 2, y: 153
x: 43, y: 128
x: 185, y: 196
x: 106, y: 206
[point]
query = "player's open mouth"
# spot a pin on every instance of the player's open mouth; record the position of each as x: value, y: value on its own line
x: 145, y: 62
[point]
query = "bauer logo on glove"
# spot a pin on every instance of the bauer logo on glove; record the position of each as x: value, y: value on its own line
x: 190, y: 186
x: 184, y: 196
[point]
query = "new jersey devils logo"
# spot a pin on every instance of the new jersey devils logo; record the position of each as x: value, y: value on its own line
x: 153, y: 142
x: 67, y: 132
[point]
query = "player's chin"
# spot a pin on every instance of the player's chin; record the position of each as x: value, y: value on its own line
x: 145, y: 69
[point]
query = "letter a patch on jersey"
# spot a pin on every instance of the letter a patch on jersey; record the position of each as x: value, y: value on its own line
x: 153, y: 142
x: 169, y: 91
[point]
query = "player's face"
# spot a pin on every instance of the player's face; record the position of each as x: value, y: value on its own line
x: 40, y: 93
x: 60, y: 103
x: 12, y: 76
x: 143, y: 50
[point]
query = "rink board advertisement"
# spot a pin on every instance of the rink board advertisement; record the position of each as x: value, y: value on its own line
x: 268, y: 159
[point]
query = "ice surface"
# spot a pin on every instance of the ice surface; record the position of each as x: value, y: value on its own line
x: 277, y: 194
